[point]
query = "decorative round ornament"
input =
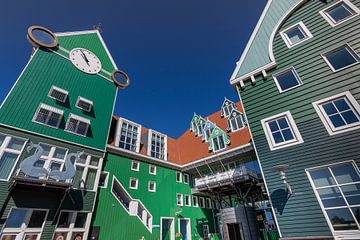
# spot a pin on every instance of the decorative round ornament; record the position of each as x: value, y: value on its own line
x: 226, y: 103
x: 120, y: 78
x: 42, y: 37
x: 85, y: 61
x: 234, y: 114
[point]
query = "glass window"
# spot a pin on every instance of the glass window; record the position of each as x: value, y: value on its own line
x: 152, y: 169
x: 129, y: 136
x: 195, y: 201
x: 341, y: 58
x: 186, y: 178
x: 187, y: 200
x: 16, y: 218
x: 133, y: 183
x: 37, y: 219
x: 179, y: 199
x: 80, y: 220
x: 158, y: 145
x: 287, y: 80
x: 219, y: 143
x: 280, y: 130
x: 58, y: 94
x: 178, y: 177
x: 236, y: 121
x: 84, y: 104
x: 71, y: 224
x: 227, y: 108
x: 78, y: 125
x: 48, y: 115
x: 295, y: 34
x: 86, y: 172
x: 202, y: 202
x: 152, y: 186
x: 339, y: 12
x: 135, y: 165
x: 64, y: 220
x: 338, y: 189
x: 104, y: 177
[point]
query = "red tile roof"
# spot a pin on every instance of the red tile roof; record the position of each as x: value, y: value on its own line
x: 188, y: 148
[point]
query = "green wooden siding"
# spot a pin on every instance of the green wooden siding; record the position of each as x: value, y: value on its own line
x: 114, y: 221
x: 301, y: 214
x: 45, y: 70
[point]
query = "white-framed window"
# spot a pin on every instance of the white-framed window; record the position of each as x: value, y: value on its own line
x: 339, y: 12
x: 281, y: 131
x: 10, y: 151
x: 218, y: 143
x: 133, y: 183
x: 186, y: 178
x: 287, y: 80
x: 208, y: 203
x: 200, y: 126
x: 296, y: 34
x: 157, y: 146
x: 128, y: 135
x: 187, y: 200
x: 71, y: 225
x: 84, y: 104
x: 178, y: 177
x: 152, y: 186
x: 227, y: 108
x: 195, y: 201
x: 24, y: 223
x: 58, y: 94
x: 339, y: 113
x: 88, y: 169
x: 179, y: 199
x: 337, y: 188
x: 152, y: 169
x: 53, y: 158
x: 341, y: 58
x: 48, y: 116
x: 77, y: 125
x: 104, y: 179
x: 202, y: 202
x: 236, y: 121
x: 208, y: 132
x: 135, y: 165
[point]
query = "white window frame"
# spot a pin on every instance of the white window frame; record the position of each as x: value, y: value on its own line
x: 188, y: 227
x: 218, y: 139
x: 23, y: 230
x: 50, y: 158
x: 338, y: 232
x: 236, y: 128
x: 71, y: 229
x: 154, y: 167
x: 302, y: 28
x: 79, y: 119
x: 182, y: 199
x: 52, y: 110
x: 86, y: 167
x: 188, y: 178
x: 118, y: 133
x: 349, y: 49
x: 201, y: 202
x: 327, y: 122
x: 55, y: 88
x: 86, y: 101
x: 106, y: 179
x: 297, y: 136
x: 293, y: 70
x: 331, y: 21
x: 132, y: 165
x: 188, y: 197
x: 227, y: 106
x: 208, y: 203
x: 154, y: 184
x: 150, y: 132
x: 4, y: 148
x: 195, y: 203
x: 172, y: 227
x: 178, y: 180
x: 136, y: 181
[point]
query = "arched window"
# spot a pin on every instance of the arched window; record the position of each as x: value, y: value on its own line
x: 208, y: 128
x: 218, y: 140
x: 236, y: 120
x: 227, y: 107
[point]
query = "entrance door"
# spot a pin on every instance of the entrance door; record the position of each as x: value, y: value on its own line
x: 235, y: 231
x: 167, y: 229
x: 184, y: 229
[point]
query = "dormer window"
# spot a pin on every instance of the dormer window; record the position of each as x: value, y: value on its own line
x: 157, y: 146
x: 84, y: 104
x: 193, y: 124
x: 227, y: 108
x: 58, y: 94
x: 77, y: 125
x: 48, y: 115
x: 218, y: 140
x: 200, y: 126
x: 128, y: 135
x: 236, y: 121
x: 209, y: 127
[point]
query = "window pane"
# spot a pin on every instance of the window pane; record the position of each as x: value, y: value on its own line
x: 77, y: 236
x: 60, y: 153
x: 329, y: 108
x: 287, y: 80
x: 16, y: 218
x: 46, y: 149
x: 37, y: 219
x: 82, y: 128
x: 64, y: 220
x: 341, y: 104
x: 102, y: 179
x: 7, y: 162
x: 71, y: 126
x: 16, y: 144
x: 60, y: 235
x: 31, y: 236
x: 2, y: 139
x: 90, y: 180
x: 345, y: 173
x: 287, y: 134
x: 340, y: 12
x: 80, y: 220
x: 77, y: 180
x: 94, y: 161
x: 55, y: 166
x: 352, y: 193
x: 42, y: 115
x: 283, y: 123
x: 278, y: 137
x: 295, y: 35
x: 350, y: 117
x: 356, y: 211
x: 322, y: 177
x: 331, y: 197
x: 341, y: 219
x: 54, y: 119
x: 340, y: 58
x: 337, y: 121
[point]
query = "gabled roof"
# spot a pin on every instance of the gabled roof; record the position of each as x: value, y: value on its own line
x: 257, y: 55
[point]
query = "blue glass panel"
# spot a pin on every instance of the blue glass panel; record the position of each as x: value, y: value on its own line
x: 16, y: 218
x: 287, y: 134
x: 329, y: 108
x: 356, y: 211
x: 295, y: 35
x: 341, y: 104
x: 277, y: 137
x: 322, y: 177
x: 287, y: 80
x: 331, y: 197
x: 283, y: 123
x: 273, y: 126
x: 43, y: 36
x: 337, y: 120
x: 339, y: 12
x: 352, y: 193
x: 350, y: 117
x: 345, y: 173
x: 341, y: 219
x: 340, y: 58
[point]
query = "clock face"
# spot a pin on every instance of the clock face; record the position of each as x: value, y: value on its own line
x: 85, y: 60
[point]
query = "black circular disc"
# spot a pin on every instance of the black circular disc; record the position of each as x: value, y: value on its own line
x: 42, y: 37
x: 120, y: 78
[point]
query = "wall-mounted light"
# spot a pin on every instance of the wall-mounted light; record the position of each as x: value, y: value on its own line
x: 281, y: 170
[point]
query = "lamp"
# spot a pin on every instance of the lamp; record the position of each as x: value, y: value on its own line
x: 281, y: 170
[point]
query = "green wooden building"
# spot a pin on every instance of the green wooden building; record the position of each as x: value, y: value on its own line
x: 56, y: 117
x: 298, y: 79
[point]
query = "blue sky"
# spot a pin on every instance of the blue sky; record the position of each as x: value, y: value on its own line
x: 179, y: 54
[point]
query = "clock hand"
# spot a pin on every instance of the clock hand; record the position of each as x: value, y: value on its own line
x: 85, y: 58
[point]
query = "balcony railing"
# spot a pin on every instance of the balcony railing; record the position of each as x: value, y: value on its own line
x: 237, y: 174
